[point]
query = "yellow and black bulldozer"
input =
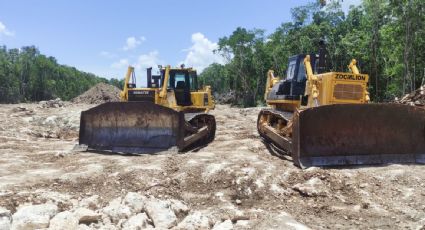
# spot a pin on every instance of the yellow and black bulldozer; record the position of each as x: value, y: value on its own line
x: 171, y: 111
x: 325, y: 118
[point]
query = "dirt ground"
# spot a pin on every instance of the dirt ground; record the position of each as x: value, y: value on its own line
x: 235, y: 177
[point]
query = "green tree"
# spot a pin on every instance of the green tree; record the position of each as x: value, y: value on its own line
x: 27, y: 75
x: 385, y: 36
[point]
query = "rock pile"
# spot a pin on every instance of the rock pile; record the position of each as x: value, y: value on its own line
x: 62, y: 127
x: 415, y: 98
x: 56, y: 103
x: 225, y: 98
x: 98, y: 94
x: 34, y: 216
x: 133, y: 211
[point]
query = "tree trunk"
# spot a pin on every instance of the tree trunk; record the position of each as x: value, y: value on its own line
x: 407, y: 48
x: 375, y: 47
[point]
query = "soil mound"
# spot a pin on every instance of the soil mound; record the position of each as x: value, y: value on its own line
x: 98, y: 94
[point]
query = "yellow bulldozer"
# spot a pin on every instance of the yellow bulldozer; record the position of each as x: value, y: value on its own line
x: 171, y: 111
x: 326, y: 118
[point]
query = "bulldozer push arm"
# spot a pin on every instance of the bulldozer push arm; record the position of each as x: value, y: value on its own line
x: 163, y: 92
x: 124, y: 92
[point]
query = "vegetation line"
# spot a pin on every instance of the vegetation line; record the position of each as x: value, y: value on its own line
x: 386, y: 37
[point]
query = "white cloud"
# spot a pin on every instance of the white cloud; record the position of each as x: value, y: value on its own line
x: 107, y: 54
x: 120, y: 64
x: 200, y: 55
x: 5, y: 31
x: 133, y: 42
x: 140, y: 63
x: 144, y: 61
x: 150, y: 59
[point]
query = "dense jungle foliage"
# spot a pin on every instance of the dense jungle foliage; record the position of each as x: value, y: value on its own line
x: 387, y: 37
x: 26, y: 75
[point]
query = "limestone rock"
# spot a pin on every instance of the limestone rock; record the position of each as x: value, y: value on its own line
x: 225, y: 225
x: 312, y: 187
x: 56, y: 197
x: 179, y: 208
x: 5, y: 218
x: 160, y: 213
x: 139, y: 221
x: 30, y: 222
x: 105, y: 219
x: 135, y: 201
x: 83, y: 227
x: 33, y: 216
x: 86, y: 216
x: 91, y: 202
x: 242, y: 224
x: 116, y: 211
x: 107, y: 227
x: 5, y: 223
x: 194, y: 221
x: 283, y: 220
x: 4, y: 212
x: 63, y: 221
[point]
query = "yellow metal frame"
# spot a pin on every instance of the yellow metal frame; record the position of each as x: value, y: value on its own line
x: 271, y: 81
x: 285, y: 105
x: 320, y: 87
x: 325, y: 84
x: 166, y: 97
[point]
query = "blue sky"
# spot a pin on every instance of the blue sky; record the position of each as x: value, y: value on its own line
x: 103, y: 37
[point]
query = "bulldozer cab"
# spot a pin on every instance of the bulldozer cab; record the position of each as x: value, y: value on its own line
x: 294, y: 84
x: 175, y: 88
x: 296, y: 78
x: 292, y: 88
x: 182, y: 82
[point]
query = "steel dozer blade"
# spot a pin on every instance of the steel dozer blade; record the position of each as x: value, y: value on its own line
x: 131, y: 127
x: 352, y: 134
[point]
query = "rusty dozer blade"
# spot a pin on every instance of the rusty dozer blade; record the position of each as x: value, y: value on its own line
x: 352, y: 134
x: 131, y: 127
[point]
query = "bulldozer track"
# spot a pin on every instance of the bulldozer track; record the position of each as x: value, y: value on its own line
x: 197, y: 121
x: 281, y: 144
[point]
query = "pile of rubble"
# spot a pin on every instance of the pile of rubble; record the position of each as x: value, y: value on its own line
x: 62, y: 127
x: 98, y: 94
x: 56, y: 103
x: 415, y: 98
x: 134, y: 211
x: 40, y: 123
x: 225, y: 98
